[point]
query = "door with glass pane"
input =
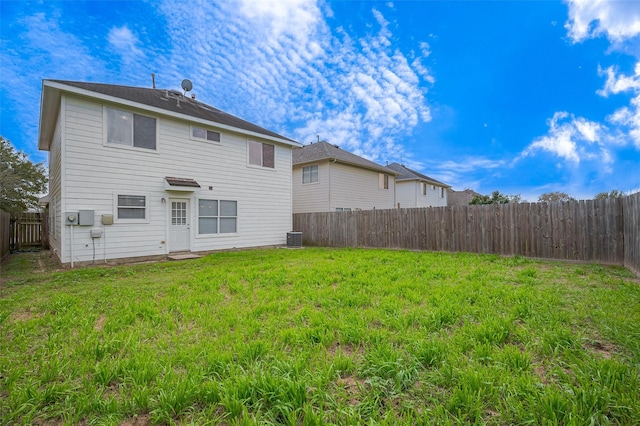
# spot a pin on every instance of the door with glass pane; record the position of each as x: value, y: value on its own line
x: 179, y: 224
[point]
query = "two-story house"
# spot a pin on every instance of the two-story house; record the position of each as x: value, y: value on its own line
x: 327, y: 178
x: 142, y: 173
x: 413, y: 189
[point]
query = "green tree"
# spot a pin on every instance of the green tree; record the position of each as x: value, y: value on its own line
x: 613, y: 194
x: 21, y: 181
x: 496, y: 197
x: 549, y: 197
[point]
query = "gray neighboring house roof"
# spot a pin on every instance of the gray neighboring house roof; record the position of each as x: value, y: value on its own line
x: 460, y: 198
x: 406, y: 173
x: 172, y: 101
x: 325, y: 151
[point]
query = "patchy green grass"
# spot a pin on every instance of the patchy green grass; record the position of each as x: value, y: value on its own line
x: 321, y: 336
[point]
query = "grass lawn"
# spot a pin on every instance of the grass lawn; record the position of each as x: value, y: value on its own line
x: 321, y: 336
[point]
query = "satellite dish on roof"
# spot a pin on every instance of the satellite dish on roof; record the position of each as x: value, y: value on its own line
x: 186, y: 85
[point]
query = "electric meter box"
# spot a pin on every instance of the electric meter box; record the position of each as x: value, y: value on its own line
x: 86, y: 217
x: 71, y: 218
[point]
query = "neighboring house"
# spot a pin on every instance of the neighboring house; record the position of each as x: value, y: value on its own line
x: 327, y: 178
x: 461, y: 198
x: 413, y: 189
x: 142, y: 173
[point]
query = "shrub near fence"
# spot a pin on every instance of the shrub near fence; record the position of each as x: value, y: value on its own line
x: 587, y: 230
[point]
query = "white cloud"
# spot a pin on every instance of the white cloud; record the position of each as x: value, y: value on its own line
x: 277, y: 63
x: 572, y: 139
x: 619, y: 83
x: 125, y: 43
x: 618, y: 20
x: 468, y: 172
x: 280, y: 65
x: 627, y: 118
x: 46, y: 52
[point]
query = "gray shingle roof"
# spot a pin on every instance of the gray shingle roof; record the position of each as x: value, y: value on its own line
x: 173, y: 101
x: 408, y: 174
x: 325, y: 151
x: 460, y: 198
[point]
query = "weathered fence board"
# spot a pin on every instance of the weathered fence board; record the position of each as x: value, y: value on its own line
x: 604, y: 230
x: 631, y: 218
x: 5, y: 234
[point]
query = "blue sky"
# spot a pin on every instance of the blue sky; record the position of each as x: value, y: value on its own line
x: 525, y: 97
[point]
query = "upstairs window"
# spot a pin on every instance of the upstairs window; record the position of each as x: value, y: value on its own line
x: 441, y: 192
x: 310, y: 174
x: 424, y: 188
x: 204, y: 134
x: 262, y: 154
x: 129, y: 129
x: 383, y: 181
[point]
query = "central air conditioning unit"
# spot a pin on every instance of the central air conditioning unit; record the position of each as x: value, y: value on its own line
x: 294, y: 239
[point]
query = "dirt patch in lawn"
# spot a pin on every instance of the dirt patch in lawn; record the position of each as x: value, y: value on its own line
x: 99, y: 325
x: 141, y: 420
x: 604, y: 349
x: 352, y: 386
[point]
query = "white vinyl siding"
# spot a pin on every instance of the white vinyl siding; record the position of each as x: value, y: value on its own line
x: 311, y: 198
x: 95, y: 173
x: 357, y: 188
x: 55, y: 185
x: 420, y: 194
x: 341, y: 186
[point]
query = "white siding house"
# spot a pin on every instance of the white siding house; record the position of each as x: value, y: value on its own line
x: 413, y: 189
x: 150, y: 172
x: 327, y: 178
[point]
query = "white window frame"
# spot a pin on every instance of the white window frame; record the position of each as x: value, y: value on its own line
x: 442, y: 192
x: 261, y: 165
x: 424, y: 188
x: 383, y: 181
x: 343, y: 209
x: 218, y: 217
x: 311, y: 168
x: 116, y: 206
x: 105, y: 130
x: 205, y: 139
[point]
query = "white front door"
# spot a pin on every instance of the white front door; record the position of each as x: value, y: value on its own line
x: 179, y: 224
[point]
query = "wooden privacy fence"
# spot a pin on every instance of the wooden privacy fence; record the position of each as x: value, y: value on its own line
x: 5, y: 234
x: 631, y: 214
x: 29, y: 230
x: 591, y: 230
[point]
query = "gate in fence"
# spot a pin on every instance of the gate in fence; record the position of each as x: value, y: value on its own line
x: 28, y: 230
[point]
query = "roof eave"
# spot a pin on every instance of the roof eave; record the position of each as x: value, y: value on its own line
x: 49, y: 109
x: 380, y: 169
x: 88, y: 93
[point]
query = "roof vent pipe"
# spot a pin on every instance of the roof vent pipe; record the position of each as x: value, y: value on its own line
x: 153, y: 80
